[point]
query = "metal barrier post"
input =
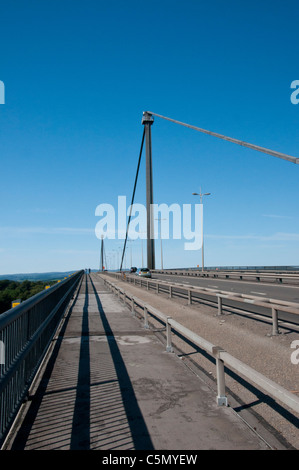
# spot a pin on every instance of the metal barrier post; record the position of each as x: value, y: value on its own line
x: 219, y: 305
x: 189, y: 297
x: 274, y: 322
x: 170, y: 292
x: 168, y: 336
x: 145, y: 317
x: 132, y: 306
x: 221, y: 397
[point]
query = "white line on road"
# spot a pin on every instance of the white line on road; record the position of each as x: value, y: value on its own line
x: 259, y: 293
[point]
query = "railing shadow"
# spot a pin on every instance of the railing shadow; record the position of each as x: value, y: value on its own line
x: 90, y: 407
x: 80, y: 436
x: 22, y: 436
x: 139, y: 432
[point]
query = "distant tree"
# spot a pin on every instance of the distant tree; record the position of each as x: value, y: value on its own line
x: 13, y: 290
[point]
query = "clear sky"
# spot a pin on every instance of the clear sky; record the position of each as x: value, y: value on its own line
x: 78, y: 75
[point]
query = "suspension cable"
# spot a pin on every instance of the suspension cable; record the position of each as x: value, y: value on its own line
x: 230, y: 139
x: 132, y: 201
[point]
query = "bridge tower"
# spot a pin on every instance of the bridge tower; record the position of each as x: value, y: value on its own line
x: 147, y: 121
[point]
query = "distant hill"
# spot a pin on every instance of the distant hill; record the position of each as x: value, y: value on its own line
x: 35, y: 276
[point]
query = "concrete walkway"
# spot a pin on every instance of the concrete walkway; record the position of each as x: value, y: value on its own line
x: 110, y: 385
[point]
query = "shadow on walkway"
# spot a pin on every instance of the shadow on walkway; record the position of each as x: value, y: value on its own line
x: 138, y: 428
x: 79, y: 433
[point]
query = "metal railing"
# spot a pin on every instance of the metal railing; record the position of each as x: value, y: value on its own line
x: 223, y: 299
x: 256, y: 276
x: 222, y: 358
x: 289, y: 268
x: 25, y: 335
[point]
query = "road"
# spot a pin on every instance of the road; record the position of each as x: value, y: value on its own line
x: 279, y: 292
x: 110, y: 386
x: 262, y: 291
x: 246, y: 337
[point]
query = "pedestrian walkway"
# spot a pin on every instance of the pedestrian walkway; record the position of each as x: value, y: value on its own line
x: 110, y: 385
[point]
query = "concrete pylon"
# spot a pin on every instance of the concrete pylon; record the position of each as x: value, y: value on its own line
x: 147, y: 121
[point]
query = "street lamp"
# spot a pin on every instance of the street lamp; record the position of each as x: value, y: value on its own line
x: 116, y: 252
x: 202, y: 249
x: 142, y: 233
x: 130, y: 241
x: 159, y: 219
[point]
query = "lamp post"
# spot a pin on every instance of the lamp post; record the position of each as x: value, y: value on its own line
x: 130, y: 241
x: 116, y: 253
x: 159, y: 219
x: 202, y: 249
x: 142, y: 233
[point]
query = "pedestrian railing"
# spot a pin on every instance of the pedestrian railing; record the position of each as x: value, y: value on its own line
x: 222, y: 358
x: 25, y: 335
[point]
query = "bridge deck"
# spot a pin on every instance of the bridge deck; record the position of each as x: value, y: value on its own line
x: 110, y: 385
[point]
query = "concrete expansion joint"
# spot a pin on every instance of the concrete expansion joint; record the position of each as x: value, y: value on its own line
x: 143, y: 332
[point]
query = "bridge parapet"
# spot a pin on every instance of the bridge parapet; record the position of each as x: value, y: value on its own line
x: 25, y: 334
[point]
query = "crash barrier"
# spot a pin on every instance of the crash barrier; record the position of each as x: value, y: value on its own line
x: 222, y: 358
x: 257, y: 276
x: 221, y: 299
x: 25, y: 333
x: 278, y: 269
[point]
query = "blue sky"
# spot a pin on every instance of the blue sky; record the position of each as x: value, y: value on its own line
x: 78, y: 76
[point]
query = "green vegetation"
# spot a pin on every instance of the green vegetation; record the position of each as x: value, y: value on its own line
x: 12, y: 290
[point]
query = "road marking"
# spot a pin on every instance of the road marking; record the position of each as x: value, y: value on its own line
x: 259, y: 293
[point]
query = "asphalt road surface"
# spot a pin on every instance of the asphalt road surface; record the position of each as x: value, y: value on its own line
x: 271, y: 291
x: 263, y: 291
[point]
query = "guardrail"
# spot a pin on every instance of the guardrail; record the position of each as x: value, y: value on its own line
x: 289, y: 268
x: 25, y: 335
x: 221, y: 298
x: 281, y: 278
x: 222, y: 358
